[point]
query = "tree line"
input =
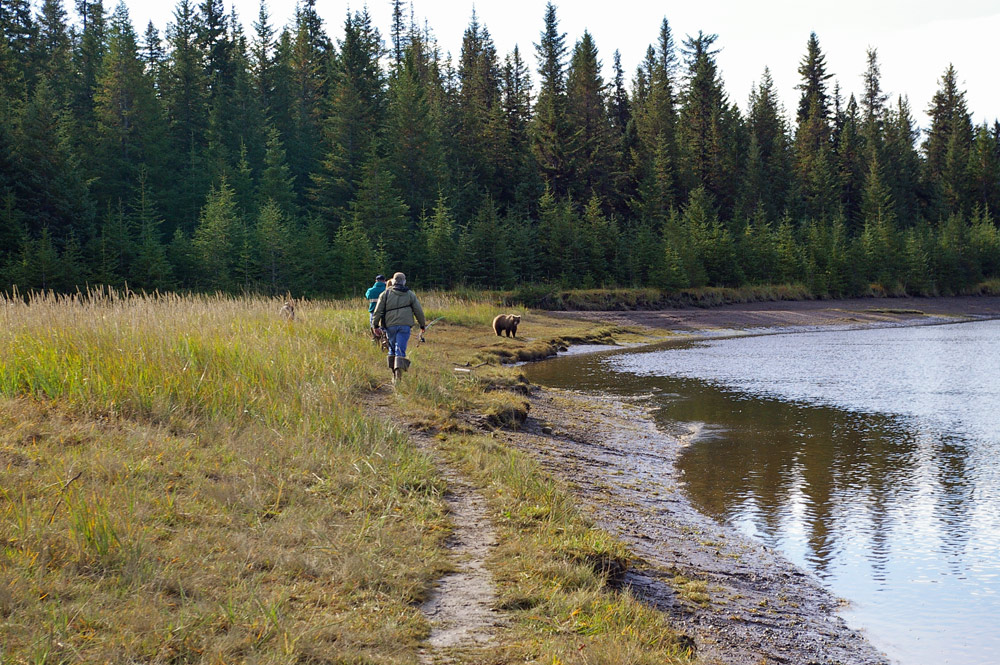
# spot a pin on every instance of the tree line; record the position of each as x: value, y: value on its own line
x: 209, y: 158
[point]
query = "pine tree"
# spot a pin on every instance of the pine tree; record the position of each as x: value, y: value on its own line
x: 984, y: 169
x: 218, y: 240
x: 356, y: 115
x: 947, y: 148
x: 150, y: 268
x: 379, y: 211
x: 705, y: 135
x: 276, y: 181
x: 589, y: 123
x: 518, y: 177
x: 442, y: 257
x: 53, y: 50
x: 551, y: 131
x: 50, y: 186
x: 273, y: 245
x: 902, y: 163
x: 130, y: 127
x: 767, y: 179
x: 185, y: 102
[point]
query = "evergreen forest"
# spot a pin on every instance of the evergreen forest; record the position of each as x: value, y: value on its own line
x: 216, y: 157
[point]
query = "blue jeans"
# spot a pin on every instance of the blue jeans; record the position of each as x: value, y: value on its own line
x: 398, y: 338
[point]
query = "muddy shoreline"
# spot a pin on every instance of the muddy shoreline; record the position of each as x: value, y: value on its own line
x: 741, y: 603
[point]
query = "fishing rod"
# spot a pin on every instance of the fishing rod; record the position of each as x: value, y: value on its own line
x: 428, y: 326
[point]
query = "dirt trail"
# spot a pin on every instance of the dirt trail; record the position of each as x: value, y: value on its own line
x: 461, y: 609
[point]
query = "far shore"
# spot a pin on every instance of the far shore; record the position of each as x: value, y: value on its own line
x: 805, y: 314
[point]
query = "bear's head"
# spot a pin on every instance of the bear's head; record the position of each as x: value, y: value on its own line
x: 516, y: 318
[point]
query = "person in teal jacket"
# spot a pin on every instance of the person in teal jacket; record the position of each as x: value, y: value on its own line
x: 372, y: 295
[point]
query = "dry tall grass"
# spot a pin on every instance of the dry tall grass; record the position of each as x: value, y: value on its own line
x: 195, y: 479
x: 190, y: 479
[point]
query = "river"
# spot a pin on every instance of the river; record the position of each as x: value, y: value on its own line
x: 871, y: 457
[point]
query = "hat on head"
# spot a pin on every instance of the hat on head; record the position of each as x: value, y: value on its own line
x: 379, y: 278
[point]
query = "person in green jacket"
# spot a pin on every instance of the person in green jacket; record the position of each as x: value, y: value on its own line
x: 372, y: 294
x: 395, y: 311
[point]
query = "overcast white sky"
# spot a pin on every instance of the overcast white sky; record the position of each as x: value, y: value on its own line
x: 916, y: 39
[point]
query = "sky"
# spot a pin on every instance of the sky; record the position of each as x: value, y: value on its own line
x: 916, y: 39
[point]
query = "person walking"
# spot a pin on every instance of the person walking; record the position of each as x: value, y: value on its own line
x: 372, y: 294
x: 395, y: 311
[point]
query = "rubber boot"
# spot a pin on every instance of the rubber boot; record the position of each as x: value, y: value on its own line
x: 392, y: 366
x: 401, y: 365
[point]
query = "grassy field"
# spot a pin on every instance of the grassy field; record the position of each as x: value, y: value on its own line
x: 194, y: 479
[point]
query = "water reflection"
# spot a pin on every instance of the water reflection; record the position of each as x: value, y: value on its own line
x: 870, y: 457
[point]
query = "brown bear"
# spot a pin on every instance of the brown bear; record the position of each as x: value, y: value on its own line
x: 506, y: 323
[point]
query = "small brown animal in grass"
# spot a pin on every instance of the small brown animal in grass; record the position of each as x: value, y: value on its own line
x: 287, y: 311
x: 506, y: 323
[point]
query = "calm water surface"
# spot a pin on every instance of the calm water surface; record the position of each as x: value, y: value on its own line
x: 871, y: 457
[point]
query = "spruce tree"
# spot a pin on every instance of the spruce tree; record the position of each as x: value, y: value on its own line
x: 185, y: 101
x: 706, y: 137
x: 852, y: 164
x: 53, y: 50
x: 816, y: 172
x: 767, y: 178
x: 273, y: 248
x: 276, y: 183
x: 589, y: 123
x: 551, y: 131
x: 518, y: 178
x: 947, y: 148
x: 413, y: 137
x: 440, y: 239
x: 480, y: 118
x: 130, y: 127
x: 984, y: 169
x: 484, y: 249
x: 50, y: 186
x: 902, y: 163
x: 150, y: 268
x: 354, y: 121
x: 218, y: 240
x: 379, y: 212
